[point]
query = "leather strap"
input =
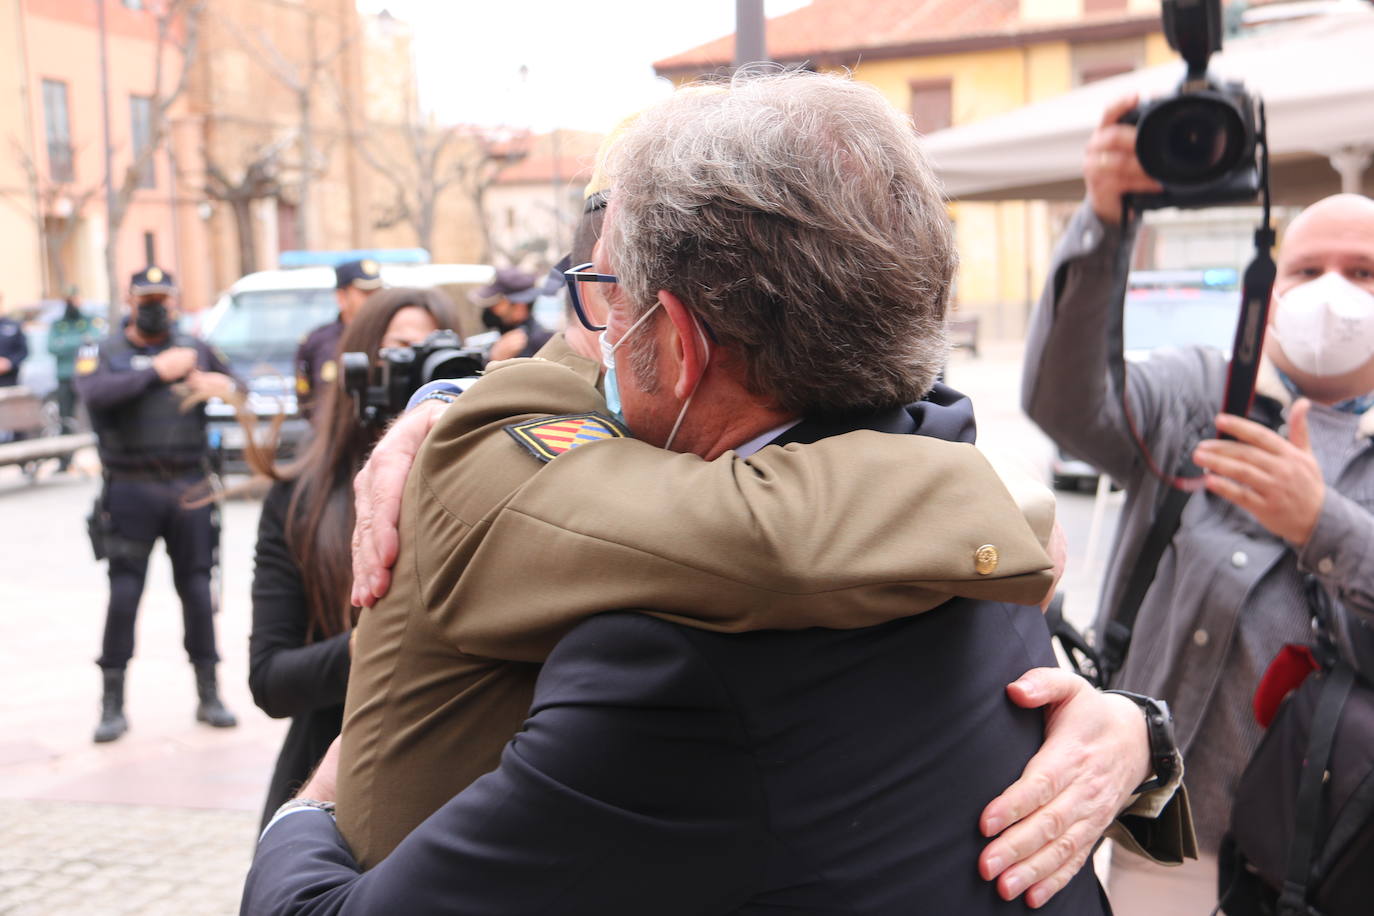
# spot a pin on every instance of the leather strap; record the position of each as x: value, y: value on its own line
x: 1116, y: 640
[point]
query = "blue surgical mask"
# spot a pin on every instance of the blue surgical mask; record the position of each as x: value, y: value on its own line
x: 608, y: 360
x: 612, y: 389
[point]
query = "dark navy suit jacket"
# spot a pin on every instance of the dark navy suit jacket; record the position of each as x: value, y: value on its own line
x: 667, y: 770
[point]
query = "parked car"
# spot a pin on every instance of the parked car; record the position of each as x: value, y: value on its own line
x: 258, y: 323
x: 1164, y: 308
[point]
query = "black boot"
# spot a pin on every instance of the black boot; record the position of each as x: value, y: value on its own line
x: 211, y: 710
x: 112, y: 721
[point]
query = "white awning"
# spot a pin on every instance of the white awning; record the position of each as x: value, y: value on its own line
x: 1316, y: 78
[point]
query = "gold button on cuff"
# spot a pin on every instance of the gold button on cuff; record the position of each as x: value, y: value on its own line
x: 985, y: 560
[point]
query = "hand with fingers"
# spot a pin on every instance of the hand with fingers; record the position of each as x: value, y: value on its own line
x: 1276, y: 480
x: 1110, y: 166
x: 377, y: 493
x: 1096, y: 753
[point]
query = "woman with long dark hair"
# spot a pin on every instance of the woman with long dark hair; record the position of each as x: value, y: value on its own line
x: 299, y: 650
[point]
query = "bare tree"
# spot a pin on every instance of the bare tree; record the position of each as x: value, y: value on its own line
x: 301, y: 78
x: 183, y: 16
x: 259, y: 179
x: 436, y: 160
x: 56, y: 208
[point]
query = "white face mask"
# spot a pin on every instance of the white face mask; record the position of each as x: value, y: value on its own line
x: 1326, y: 326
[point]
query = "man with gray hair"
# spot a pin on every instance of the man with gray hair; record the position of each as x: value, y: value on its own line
x: 776, y: 263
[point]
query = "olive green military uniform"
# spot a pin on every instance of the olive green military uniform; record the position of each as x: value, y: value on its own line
x: 445, y: 665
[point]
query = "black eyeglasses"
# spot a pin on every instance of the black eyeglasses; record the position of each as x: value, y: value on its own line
x: 583, y: 273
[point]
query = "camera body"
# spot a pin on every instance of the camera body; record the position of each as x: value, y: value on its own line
x: 1201, y: 142
x: 381, y: 390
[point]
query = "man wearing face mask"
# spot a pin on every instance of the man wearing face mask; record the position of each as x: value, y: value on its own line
x: 1286, y: 497
x: 137, y: 384
x: 507, y: 306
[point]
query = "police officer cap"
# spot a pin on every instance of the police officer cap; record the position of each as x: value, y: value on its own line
x: 152, y: 281
x: 510, y: 283
x: 364, y: 274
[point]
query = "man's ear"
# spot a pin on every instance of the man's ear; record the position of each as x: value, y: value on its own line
x: 687, y: 347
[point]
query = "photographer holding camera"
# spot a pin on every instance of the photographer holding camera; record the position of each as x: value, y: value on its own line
x: 1287, y: 491
x: 300, y: 648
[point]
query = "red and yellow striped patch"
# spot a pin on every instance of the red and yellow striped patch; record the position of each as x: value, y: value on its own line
x: 550, y: 437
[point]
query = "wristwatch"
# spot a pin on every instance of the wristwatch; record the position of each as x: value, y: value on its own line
x: 297, y: 804
x: 1165, y: 759
x: 326, y: 807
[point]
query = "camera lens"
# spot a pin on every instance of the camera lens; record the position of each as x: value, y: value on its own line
x: 1191, y: 140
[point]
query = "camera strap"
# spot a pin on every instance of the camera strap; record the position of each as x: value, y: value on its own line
x: 1238, y: 397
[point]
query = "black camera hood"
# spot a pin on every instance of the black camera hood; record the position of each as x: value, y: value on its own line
x: 1193, y: 29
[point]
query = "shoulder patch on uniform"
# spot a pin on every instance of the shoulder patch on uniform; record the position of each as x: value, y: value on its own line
x: 549, y: 437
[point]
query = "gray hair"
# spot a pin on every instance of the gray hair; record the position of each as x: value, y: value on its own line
x: 794, y: 213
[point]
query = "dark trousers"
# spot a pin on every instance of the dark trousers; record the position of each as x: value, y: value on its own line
x: 66, y: 404
x: 141, y: 511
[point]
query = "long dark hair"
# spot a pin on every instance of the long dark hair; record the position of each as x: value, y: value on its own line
x: 319, y: 517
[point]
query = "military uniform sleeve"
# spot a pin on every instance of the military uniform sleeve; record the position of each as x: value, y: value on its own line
x: 103, y: 387
x: 729, y: 545
x: 287, y: 675
x: 1159, y: 826
x: 594, y: 808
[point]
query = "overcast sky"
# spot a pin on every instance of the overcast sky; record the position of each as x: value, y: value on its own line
x: 589, y: 61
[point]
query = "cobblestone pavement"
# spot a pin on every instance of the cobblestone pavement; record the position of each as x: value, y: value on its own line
x: 59, y: 858
x: 163, y: 820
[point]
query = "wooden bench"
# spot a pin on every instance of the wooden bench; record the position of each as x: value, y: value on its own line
x: 22, y: 415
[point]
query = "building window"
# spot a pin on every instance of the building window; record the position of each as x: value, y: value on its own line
x: 1106, y: 71
x: 150, y: 248
x: 133, y: 4
x: 931, y: 105
x: 141, y: 133
x: 1104, y: 6
x: 1098, y: 60
x: 59, y: 130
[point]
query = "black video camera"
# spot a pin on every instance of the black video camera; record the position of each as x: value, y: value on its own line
x: 1199, y: 143
x: 381, y: 391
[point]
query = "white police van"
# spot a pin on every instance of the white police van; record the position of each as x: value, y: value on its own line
x: 259, y: 321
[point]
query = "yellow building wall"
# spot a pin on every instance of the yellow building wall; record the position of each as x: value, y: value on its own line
x: 1002, y: 246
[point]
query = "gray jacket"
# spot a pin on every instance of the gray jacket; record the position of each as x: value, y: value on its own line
x: 1227, y: 594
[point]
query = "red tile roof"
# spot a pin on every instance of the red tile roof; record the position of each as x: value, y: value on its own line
x: 576, y: 155
x: 827, y: 29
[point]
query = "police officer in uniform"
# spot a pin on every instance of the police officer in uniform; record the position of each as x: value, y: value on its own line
x: 14, y: 347
x: 318, y: 354
x: 507, y: 307
x: 136, y: 384
x: 66, y: 337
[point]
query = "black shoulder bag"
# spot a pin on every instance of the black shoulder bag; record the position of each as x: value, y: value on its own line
x: 1301, y: 841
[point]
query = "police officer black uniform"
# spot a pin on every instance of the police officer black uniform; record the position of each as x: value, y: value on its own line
x: 14, y: 348
x: 318, y: 353
x: 508, y: 307
x: 136, y: 384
